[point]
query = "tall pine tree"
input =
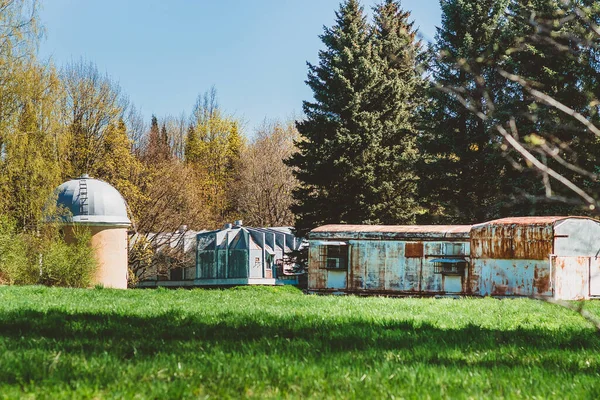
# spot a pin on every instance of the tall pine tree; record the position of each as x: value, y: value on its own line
x: 157, y: 146
x: 463, y: 163
x: 357, y: 141
x: 552, y: 54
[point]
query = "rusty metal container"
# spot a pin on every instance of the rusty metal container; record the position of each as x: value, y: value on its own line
x: 555, y: 257
x: 395, y: 260
x: 536, y: 256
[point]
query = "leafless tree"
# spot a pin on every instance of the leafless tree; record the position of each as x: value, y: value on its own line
x: 266, y: 183
x: 136, y: 128
x: 555, y: 158
x: 174, y: 207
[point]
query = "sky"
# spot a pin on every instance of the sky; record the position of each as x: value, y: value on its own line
x: 164, y: 53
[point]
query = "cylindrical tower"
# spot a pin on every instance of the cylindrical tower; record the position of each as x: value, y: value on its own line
x: 100, y: 207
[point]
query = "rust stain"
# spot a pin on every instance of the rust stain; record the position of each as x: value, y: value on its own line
x: 413, y: 249
x: 513, y: 241
x: 499, y: 290
x: 541, y: 282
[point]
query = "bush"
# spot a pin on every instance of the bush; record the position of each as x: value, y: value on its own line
x: 13, y: 253
x: 63, y: 264
x: 45, y: 258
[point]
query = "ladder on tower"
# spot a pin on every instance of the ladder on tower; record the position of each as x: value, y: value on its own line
x: 83, y: 199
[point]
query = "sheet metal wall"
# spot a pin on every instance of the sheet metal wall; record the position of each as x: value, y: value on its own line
x: 544, y: 256
x: 575, y: 262
x: 385, y: 266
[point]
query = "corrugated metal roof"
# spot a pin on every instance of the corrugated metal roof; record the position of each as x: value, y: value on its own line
x: 544, y: 220
x: 390, y: 231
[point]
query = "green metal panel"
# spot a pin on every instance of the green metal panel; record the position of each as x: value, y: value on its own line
x: 207, y: 265
x: 238, y: 263
x: 221, y: 264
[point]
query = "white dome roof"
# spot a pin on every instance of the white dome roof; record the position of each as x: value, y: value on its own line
x: 92, y: 202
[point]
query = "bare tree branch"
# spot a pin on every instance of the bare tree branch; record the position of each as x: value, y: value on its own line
x: 550, y: 100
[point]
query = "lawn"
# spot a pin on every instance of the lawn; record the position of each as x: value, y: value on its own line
x: 279, y: 343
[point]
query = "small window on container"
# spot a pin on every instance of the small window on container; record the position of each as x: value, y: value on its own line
x: 449, y: 266
x: 454, y: 249
x: 334, y: 256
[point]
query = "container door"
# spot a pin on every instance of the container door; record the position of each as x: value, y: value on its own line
x: 595, y: 277
x: 571, y: 277
x: 336, y: 279
x: 452, y: 283
x: 336, y: 262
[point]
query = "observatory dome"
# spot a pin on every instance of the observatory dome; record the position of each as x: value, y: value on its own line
x: 92, y: 202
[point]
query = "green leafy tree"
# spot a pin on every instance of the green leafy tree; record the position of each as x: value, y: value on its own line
x: 33, y: 147
x: 213, y: 148
x: 355, y: 155
x: 118, y: 166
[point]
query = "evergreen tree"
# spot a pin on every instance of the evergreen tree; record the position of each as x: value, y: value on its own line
x: 357, y: 141
x: 396, y: 98
x: 164, y: 137
x: 463, y: 166
x: 192, y: 145
x: 157, y: 146
x: 551, y: 53
x: 471, y: 174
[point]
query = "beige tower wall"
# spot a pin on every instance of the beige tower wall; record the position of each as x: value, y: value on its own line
x: 110, y: 245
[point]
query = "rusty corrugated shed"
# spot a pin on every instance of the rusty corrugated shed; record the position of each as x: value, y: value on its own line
x: 384, y: 232
x: 554, y: 256
x: 524, y: 238
x: 392, y: 259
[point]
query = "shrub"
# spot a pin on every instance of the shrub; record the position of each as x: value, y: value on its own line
x: 13, y: 253
x: 44, y: 257
x: 64, y: 264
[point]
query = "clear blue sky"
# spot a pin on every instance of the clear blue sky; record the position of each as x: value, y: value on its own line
x: 166, y: 52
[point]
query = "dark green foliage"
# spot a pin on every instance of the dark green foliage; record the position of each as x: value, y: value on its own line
x: 355, y: 155
x: 264, y: 342
x: 555, y: 56
x: 463, y: 167
x: 157, y: 148
x: 470, y: 174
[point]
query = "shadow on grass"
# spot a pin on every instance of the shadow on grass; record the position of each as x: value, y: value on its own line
x: 236, y: 330
x: 31, y: 342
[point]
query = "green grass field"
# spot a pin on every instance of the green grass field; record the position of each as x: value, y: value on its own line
x: 278, y: 343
